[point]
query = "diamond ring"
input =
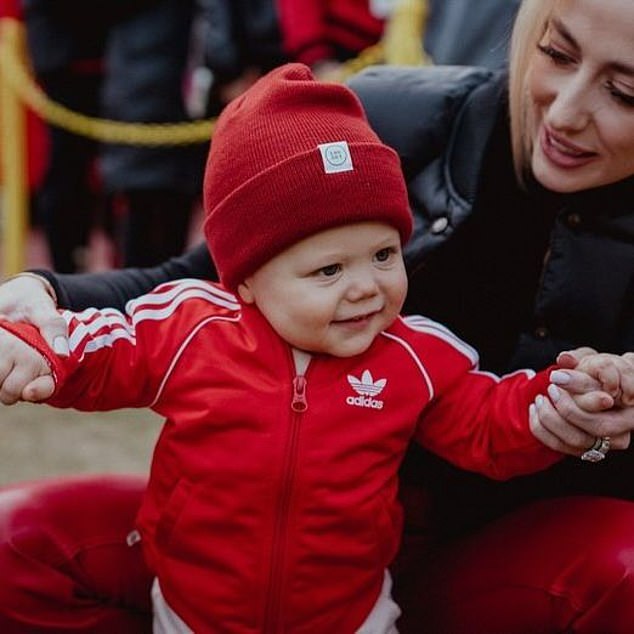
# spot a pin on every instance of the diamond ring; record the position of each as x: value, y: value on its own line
x: 598, y: 451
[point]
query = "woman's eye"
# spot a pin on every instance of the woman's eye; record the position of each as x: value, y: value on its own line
x: 556, y: 55
x: 623, y: 97
x: 330, y: 270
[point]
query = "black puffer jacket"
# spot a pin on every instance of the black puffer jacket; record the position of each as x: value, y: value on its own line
x: 146, y: 58
x: 519, y: 273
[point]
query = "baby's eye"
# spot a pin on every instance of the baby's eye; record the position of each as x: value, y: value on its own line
x: 329, y: 271
x: 384, y: 255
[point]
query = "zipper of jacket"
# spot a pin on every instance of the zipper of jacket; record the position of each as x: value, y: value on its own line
x: 299, y: 405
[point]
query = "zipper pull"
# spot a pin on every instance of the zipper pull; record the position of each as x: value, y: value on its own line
x: 299, y: 404
x: 133, y: 537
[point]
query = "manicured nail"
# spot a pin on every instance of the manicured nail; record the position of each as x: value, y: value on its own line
x: 539, y: 401
x: 560, y: 377
x: 60, y: 346
x: 554, y: 392
x: 532, y: 412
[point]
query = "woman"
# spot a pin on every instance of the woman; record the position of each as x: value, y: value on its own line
x: 523, y: 263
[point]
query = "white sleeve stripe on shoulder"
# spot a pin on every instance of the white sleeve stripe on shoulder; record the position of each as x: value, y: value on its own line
x: 158, y: 297
x: 430, y: 327
x: 183, y: 346
x: 143, y: 312
x: 194, y: 282
x: 417, y: 361
x: 115, y: 325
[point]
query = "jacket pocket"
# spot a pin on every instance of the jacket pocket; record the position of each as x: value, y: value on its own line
x: 388, y: 523
x: 173, y: 510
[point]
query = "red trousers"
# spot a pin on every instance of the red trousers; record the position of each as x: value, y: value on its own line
x: 562, y: 565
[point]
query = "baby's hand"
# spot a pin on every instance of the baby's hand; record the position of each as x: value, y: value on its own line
x: 596, y: 376
x: 24, y: 373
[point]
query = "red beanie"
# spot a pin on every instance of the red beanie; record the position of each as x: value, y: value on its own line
x: 289, y: 158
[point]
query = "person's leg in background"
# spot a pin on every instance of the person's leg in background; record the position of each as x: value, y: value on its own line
x: 65, y: 559
x: 156, y: 225
x: 66, y: 200
x: 560, y: 565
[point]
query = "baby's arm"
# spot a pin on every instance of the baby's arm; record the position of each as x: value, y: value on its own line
x: 107, y: 367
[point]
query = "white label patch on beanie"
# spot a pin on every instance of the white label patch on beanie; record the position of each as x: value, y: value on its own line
x: 336, y: 157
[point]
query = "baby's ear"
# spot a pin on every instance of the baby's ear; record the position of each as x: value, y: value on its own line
x: 245, y: 292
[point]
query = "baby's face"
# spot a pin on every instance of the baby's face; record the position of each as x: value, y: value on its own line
x: 335, y: 291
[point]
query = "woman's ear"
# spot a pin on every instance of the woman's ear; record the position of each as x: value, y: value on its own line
x: 245, y: 292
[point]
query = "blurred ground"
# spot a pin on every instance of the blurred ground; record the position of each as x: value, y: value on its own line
x: 38, y: 441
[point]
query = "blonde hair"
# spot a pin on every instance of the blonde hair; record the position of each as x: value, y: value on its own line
x: 528, y: 29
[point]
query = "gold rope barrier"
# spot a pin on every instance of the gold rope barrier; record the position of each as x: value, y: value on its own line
x: 21, y: 82
x: 402, y: 44
x: 13, y: 159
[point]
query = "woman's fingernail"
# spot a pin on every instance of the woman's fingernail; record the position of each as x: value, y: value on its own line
x: 60, y: 346
x: 539, y: 401
x: 560, y: 377
x: 554, y: 393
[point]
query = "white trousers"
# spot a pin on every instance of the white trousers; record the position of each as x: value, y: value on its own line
x: 381, y: 620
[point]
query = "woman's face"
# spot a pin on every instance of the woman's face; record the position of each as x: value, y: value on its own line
x: 581, y: 87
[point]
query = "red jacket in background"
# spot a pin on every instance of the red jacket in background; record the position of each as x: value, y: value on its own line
x: 316, y: 30
x: 11, y: 9
x: 37, y: 142
x: 272, y: 499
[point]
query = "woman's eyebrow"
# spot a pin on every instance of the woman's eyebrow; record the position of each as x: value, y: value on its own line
x: 561, y: 28
x: 619, y: 67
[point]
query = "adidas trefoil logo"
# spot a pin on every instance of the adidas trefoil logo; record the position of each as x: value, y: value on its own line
x: 366, y: 387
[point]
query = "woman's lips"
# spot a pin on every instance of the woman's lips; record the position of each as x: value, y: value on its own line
x: 562, y: 153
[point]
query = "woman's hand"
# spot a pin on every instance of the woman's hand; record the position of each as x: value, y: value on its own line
x: 615, y: 373
x: 24, y: 373
x: 29, y: 298
x: 582, y: 408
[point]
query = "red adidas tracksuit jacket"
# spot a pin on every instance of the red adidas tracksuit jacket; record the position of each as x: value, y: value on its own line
x: 272, y: 499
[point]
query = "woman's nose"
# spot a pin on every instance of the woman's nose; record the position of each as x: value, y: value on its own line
x: 571, y: 107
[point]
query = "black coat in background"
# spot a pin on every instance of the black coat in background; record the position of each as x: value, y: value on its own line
x: 240, y: 34
x: 146, y: 60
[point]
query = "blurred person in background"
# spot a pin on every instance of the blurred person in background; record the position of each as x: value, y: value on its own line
x: 240, y: 41
x: 324, y: 33
x: 471, y: 33
x: 154, y: 188
x: 66, y: 48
